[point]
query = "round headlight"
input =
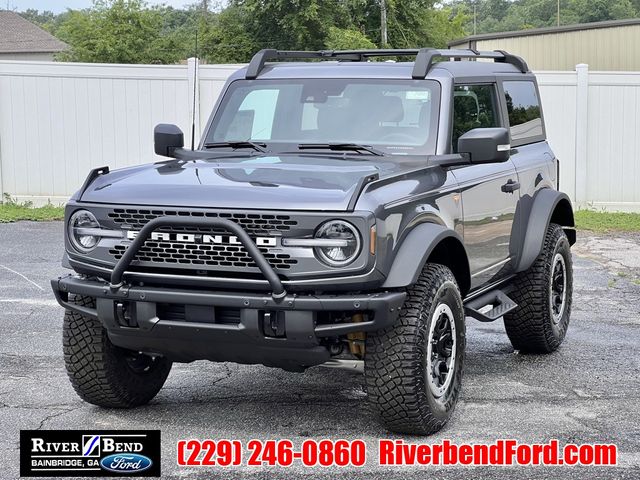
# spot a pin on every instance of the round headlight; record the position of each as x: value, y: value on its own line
x: 343, y: 243
x: 82, y: 225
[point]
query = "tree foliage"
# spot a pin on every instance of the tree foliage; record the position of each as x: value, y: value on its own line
x: 506, y: 15
x: 119, y: 31
x: 132, y: 31
x: 249, y: 25
x: 227, y: 40
x: 347, y: 39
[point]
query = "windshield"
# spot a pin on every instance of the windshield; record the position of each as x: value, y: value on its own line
x: 397, y: 117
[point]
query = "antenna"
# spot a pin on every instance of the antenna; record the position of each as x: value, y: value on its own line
x: 195, y: 87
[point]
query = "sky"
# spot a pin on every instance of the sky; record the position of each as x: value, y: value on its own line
x: 58, y: 6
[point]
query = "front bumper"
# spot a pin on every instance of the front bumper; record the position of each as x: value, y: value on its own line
x: 132, y: 316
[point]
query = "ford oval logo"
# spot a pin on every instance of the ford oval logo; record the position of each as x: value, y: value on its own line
x: 126, y: 463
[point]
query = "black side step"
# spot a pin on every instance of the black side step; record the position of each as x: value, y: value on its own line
x: 499, y: 300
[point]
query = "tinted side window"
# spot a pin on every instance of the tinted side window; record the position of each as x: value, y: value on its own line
x: 474, y: 106
x: 523, y: 107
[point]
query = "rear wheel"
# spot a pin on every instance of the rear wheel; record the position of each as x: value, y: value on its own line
x: 413, y: 369
x: 543, y: 294
x: 103, y: 374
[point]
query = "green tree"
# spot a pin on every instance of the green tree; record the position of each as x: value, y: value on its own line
x: 118, y: 31
x: 506, y: 15
x: 45, y: 19
x: 598, y: 10
x: 410, y: 23
x: 444, y: 25
x: 347, y: 39
x: 38, y: 17
x: 227, y: 40
x: 130, y: 31
x: 292, y: 24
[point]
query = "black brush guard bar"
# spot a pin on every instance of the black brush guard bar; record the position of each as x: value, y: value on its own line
x: 278, y: 291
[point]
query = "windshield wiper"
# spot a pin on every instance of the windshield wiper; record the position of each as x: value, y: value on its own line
x: 345, y: 147
x: 260, y: 147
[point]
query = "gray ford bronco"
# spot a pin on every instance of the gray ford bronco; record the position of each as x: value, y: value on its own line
x: 339, y: 212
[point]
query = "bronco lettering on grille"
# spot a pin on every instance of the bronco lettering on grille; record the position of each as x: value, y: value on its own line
x: 203, y: 238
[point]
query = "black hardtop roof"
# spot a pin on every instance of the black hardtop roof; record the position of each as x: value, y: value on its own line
x: 426, y: 62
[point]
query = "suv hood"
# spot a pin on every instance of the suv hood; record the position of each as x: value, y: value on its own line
x: 289, y: 182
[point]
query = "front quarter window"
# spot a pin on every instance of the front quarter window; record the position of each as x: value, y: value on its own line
x: 474, y: 106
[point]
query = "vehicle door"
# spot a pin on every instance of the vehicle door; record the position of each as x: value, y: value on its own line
x: 489, y: 191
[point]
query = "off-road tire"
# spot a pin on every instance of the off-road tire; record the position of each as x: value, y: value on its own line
x: 530, y: 326
x: 99, y: 371
x: 396, y: 358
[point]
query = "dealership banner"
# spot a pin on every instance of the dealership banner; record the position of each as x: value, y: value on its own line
x: 89, y: 453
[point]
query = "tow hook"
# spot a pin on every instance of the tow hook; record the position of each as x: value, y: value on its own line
x: 123, y: 315
x: 273, y: 324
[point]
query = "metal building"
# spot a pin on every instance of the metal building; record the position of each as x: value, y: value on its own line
x: 611, y: 45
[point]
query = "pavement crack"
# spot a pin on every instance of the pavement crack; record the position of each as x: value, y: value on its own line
x: 10, y: 355
x: 227, y: 374
x: 54, y: 415
x: 41, y: 407
x: 584, y: 423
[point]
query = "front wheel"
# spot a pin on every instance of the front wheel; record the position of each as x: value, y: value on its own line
x: 104, y: 374
x: 413, y: 369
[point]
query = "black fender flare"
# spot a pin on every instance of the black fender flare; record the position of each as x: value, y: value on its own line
x: 544, y: 210
x: 416, y: 249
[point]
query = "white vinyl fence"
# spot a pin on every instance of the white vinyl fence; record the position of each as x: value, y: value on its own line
x: 593, y: 126
x: 59, y: 120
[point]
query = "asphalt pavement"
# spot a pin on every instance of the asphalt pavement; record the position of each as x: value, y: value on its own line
x: 587, y: 391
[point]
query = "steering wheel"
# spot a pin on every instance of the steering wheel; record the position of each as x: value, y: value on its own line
x: 400, y: 137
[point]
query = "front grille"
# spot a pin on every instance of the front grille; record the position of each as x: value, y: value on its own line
x: 202, y: 255
x: 253, y: 223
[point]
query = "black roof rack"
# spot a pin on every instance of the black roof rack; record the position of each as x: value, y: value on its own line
x: 424, y: 57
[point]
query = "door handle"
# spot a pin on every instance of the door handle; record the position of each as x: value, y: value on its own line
x: 510, y: 187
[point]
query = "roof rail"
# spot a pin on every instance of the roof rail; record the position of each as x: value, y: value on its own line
x: 260, y: 58
x: 424, y: 57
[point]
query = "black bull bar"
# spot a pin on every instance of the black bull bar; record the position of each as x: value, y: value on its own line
x: 135, y: 321
x: 278, y: 291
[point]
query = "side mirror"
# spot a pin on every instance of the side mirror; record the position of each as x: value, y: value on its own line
x: 167, y: 138
x: 485, y: 145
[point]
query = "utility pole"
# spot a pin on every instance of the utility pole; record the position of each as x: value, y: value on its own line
x: 475, y: 29
x: 383, y: 23
x: 558, y: 13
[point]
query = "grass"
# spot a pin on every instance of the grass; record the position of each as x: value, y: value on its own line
x: 12, y: 211
x: 602, y: 222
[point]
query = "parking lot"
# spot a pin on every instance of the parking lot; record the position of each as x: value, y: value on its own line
x: 588, y: 391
